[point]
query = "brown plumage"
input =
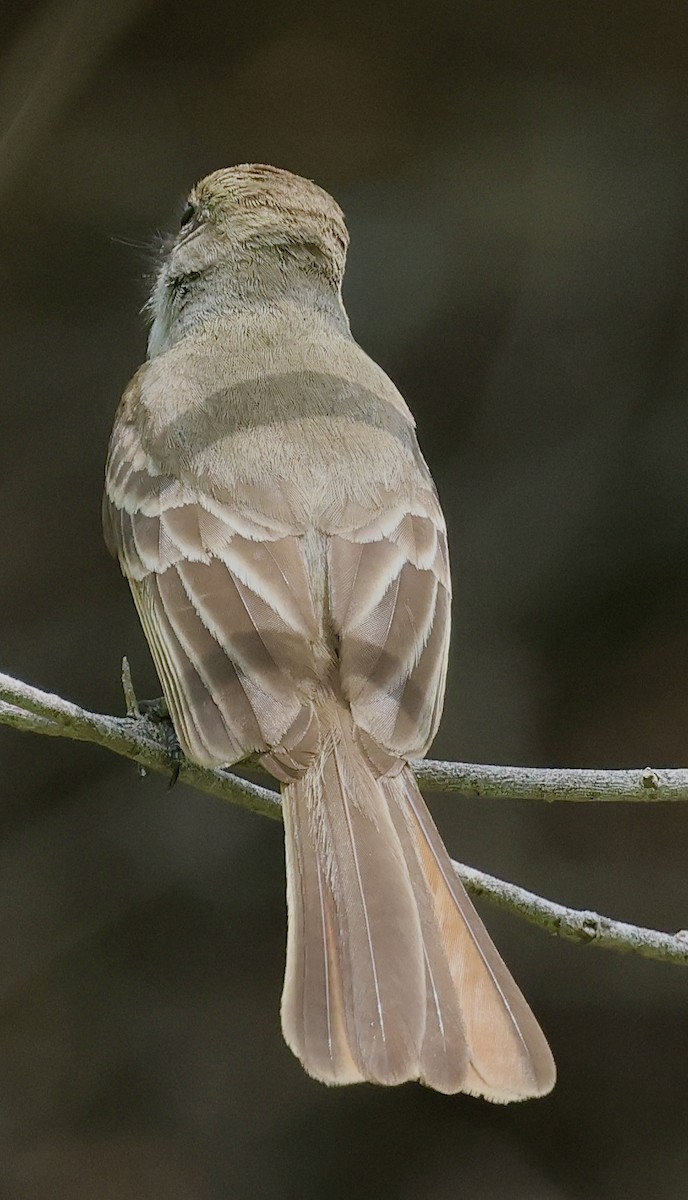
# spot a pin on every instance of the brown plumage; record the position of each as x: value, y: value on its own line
x: 269, y: 505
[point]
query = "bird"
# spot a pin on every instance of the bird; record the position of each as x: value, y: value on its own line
x: 283, y: 540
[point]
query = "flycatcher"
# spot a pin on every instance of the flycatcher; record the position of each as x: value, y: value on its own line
x: 287, y: 554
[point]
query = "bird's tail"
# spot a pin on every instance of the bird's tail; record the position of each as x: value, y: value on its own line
x: 391, y: 974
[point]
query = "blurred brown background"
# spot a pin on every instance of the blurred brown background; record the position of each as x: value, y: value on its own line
x: 516, y: 182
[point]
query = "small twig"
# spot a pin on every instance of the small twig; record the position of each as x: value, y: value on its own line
x: 146, y: 742
x: 18, y: 718
x: 131, y: 704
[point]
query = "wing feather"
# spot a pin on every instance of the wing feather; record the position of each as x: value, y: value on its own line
x: 197, y: 719
x: 226, y: 606
x: 360, y: 575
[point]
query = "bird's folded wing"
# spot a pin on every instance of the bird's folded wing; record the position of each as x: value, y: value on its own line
x: 390, y: 596
x: 225, y: 603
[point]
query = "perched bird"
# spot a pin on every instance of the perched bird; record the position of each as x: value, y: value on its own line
x: 286, y: 550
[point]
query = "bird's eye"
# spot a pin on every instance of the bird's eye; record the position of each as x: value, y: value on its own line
x: 187, y: 215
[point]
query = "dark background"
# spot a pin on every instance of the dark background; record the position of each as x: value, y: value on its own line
x: 516, y: 182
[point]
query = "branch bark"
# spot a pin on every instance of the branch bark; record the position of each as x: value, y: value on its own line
x: 151, y: 744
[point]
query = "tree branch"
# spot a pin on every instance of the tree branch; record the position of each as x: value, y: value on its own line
x: 151, y: 744
x: 579, y: 925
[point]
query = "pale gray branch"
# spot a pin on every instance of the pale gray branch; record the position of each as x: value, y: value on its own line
x: 580, y: 925
x: 151, y: 744
x: 554, y: 783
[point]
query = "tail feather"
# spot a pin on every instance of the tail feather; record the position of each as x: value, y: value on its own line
x: 443, y: 1058
x: 509, y: 1058
x: 313, y: 1006
x: 354, y: 988
x: 390, y: 972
